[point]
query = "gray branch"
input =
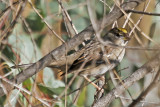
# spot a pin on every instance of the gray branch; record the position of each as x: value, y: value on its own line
x: 150, y: 66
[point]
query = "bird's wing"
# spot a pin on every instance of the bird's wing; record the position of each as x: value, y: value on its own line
x: 88, y: 57
x: 93, y: 56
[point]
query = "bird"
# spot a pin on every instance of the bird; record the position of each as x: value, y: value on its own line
x: 98, y: 58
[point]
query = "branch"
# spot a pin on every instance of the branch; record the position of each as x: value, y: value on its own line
x: 152, y: 85
x: 59, y: 53
x: 145, y: 13
x: 150, y: 66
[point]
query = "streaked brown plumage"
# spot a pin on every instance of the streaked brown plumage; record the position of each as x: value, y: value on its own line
x: 97, y: 61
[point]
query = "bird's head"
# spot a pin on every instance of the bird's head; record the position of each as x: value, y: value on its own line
x: 116, y: 36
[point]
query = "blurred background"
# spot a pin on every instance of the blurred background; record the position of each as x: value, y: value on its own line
x: 25, y: 38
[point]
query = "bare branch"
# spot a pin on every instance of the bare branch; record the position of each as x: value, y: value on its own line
x: 150, y: 66
x: 145, y: 13
x: 152, y: 85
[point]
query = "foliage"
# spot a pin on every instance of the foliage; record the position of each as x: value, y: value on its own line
x: 31, y: 39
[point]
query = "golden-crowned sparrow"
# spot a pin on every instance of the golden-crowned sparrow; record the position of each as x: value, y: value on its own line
x: 97, y: 58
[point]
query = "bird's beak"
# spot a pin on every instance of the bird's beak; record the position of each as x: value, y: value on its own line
x: 126, y: 38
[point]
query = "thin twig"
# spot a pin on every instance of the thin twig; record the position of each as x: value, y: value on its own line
x: 144, y: 13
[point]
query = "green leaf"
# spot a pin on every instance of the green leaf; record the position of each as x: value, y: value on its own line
x: 27, y: 84
x: 82, y: 98
x: 35, y: 22
x: 50, y: 91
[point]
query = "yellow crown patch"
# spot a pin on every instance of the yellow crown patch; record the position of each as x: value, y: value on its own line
x: 123, y: 30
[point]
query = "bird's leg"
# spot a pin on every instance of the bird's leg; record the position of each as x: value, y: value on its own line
x: 100, y: 90
x: 85, y: 77
x: 99, y: 93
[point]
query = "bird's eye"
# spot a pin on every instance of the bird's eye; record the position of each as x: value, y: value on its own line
x: 119, y: 34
